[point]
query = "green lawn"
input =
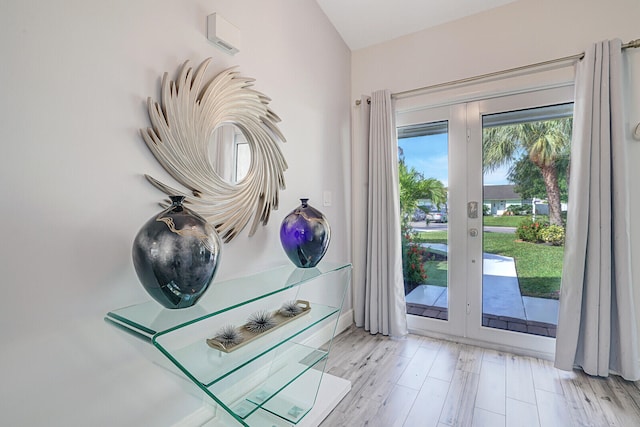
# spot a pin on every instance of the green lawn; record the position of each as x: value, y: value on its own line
x: 507, y: 221
x: 436, y: 272
x: 431, y: 237
x: 539, y: 266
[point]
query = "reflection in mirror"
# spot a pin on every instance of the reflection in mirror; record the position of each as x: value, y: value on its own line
x: 230, y: 153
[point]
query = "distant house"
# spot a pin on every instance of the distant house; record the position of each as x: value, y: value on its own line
x: 500, y: 197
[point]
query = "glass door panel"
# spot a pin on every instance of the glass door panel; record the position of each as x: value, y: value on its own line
x: 423, y: 163
x: 525, y: 156
x: 430, y: 141
x: 513, y: 284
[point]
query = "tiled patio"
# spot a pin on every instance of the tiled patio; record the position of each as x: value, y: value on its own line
x: 490, y: 320
x: 503, y: 305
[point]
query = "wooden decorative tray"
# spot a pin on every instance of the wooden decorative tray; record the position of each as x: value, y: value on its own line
x: 248, y: 336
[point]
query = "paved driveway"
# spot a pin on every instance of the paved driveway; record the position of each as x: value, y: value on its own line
x: 436, y: 226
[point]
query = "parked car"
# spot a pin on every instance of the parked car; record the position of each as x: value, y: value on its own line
x: 436, y: 216
x: 419, y: 215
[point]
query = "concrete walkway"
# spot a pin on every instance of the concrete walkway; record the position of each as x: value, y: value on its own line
x: 501, y: 295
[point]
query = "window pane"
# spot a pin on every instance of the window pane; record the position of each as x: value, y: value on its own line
x: 525, y: 163
x: 423, y: 169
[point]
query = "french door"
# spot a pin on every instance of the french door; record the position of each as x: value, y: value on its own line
x: 469, y: 293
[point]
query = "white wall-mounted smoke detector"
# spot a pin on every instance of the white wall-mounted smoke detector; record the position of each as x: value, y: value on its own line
x: 223, y: 34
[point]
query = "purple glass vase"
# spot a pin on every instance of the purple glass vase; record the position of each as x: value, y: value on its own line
x: 305, y: 235
x: 176, y: 255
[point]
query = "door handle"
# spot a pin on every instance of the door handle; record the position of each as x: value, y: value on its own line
x: 472, y: 210
x: 473, y: 232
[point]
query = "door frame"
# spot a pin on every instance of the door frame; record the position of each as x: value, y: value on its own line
x: 465, y: 252
x: 455, y: 116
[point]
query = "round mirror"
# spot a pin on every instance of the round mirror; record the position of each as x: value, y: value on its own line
x: 230, y: 181
x: 230, y: 153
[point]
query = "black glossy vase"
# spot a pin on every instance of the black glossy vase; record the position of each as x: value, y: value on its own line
x: 176, y: 255
x: 305, y: 235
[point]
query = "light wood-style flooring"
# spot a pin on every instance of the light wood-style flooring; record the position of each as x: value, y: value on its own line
x: 422, y: 382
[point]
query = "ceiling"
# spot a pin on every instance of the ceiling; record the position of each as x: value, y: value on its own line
x: 363, y: 23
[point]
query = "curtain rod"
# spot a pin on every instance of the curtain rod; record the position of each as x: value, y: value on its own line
x: 576, y: 57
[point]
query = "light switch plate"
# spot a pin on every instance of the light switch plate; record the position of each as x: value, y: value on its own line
x: 326, y: 198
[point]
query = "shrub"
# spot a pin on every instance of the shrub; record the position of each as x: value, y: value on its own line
x: 529, y: 231
x: 414, y: 271
x: 519, y: 209
x: 486, y: 210
x: 553, y: 234
x: 412, y: 261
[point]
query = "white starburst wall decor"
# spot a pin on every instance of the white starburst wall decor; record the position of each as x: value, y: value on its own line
x: 181, y: 133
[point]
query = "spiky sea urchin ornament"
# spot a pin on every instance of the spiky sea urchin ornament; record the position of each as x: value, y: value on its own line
x: 228, y: 335
x: 290, y: 309
x: 260, y: 321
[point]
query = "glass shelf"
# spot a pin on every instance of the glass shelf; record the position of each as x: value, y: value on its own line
x: 207, y: 365
x: 150, y: 318
x: 289, y: 404
x: 250, y: 389
x: 275, y: 376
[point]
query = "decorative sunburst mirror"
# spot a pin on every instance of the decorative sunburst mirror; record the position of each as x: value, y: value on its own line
x: 219, y: 139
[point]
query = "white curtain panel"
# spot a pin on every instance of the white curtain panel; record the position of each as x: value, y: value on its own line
x: 379, y: 302
x: 359, y: 204
x: 597, y: 324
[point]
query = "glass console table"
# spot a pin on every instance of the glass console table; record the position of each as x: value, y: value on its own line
x: 272, y: 380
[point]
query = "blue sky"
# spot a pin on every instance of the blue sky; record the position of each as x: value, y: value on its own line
x: 429, y: 155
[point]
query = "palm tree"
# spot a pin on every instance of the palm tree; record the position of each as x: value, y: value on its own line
x: 545, y: 143
x: 414, y: 186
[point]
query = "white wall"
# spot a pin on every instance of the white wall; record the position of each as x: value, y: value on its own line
x: 75, y: 77
x: 520, y: 33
